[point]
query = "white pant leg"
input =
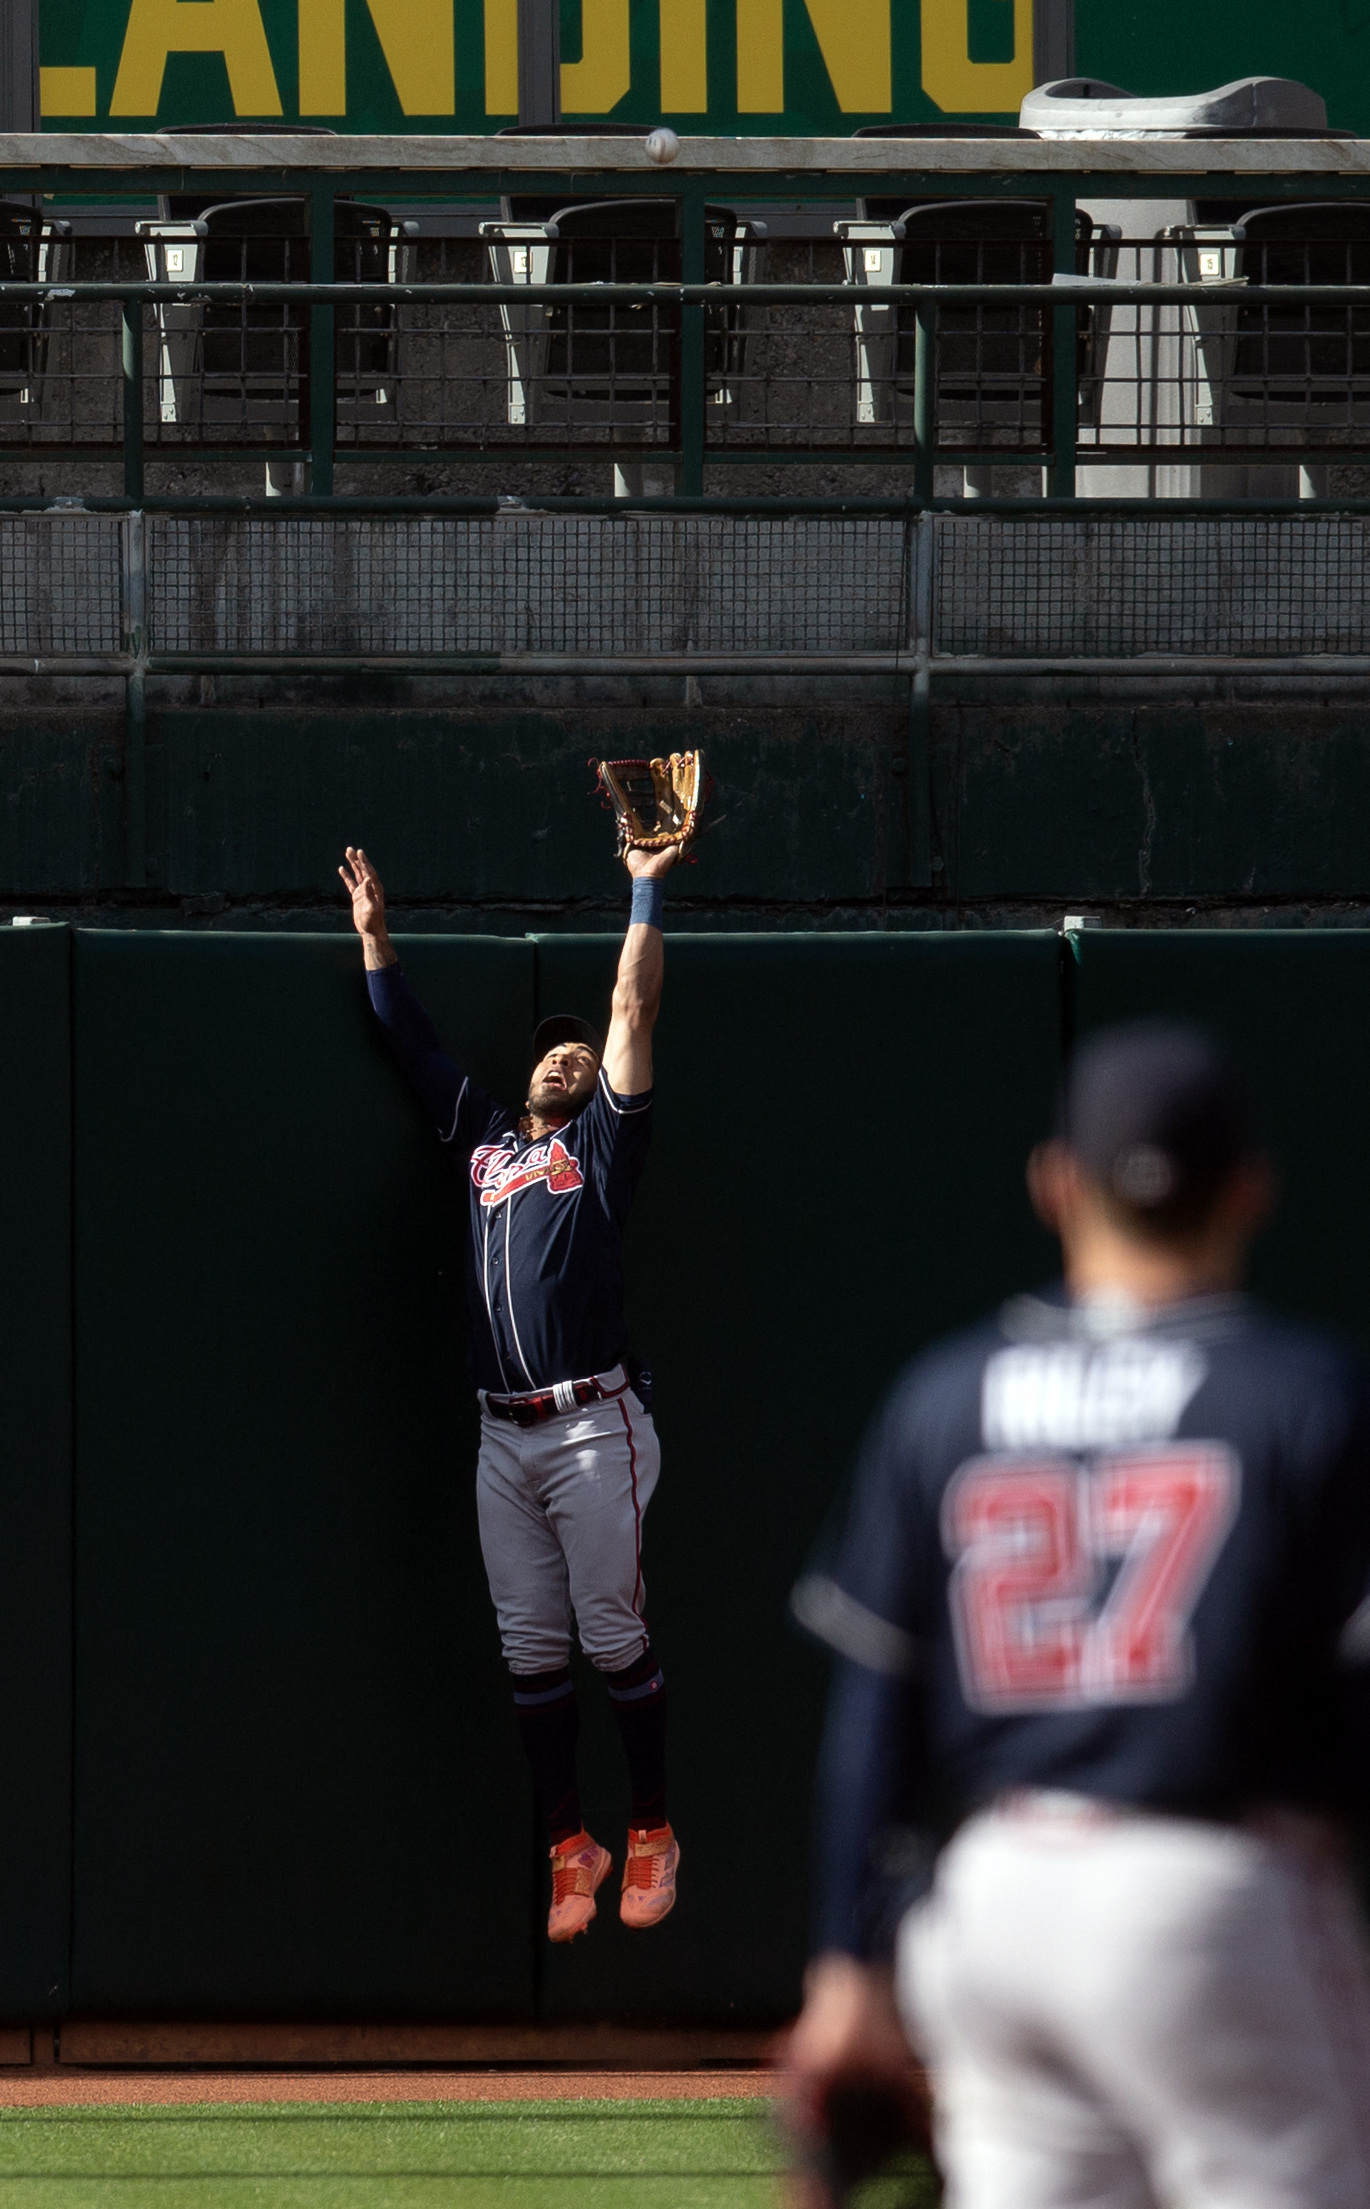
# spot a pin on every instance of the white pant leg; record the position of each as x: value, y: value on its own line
x: 1014, y: 2128
x: 595, y: 1472
x: 1194, y: 1994
x: 524, y: 1563
x: 1264, y: 2099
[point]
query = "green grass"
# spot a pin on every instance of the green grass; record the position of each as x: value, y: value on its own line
x: 388, y: 2155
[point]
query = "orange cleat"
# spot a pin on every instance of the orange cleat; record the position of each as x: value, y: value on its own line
x: 579, y: 1868
x: 649, y: 1876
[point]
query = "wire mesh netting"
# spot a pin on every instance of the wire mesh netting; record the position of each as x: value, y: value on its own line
x: 636, y: 586
x: 526, y: 583
x: 1113, y: 589
x: 60, y: 583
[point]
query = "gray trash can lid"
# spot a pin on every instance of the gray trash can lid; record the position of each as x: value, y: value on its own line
x: 1083, y: 107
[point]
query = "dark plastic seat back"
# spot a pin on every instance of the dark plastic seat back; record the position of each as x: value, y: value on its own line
x: 1319, y: 351
x: 267, y: 241
x: 630, y: 241
x: 985, y: 352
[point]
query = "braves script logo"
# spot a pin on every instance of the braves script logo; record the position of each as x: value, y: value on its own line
x: 500, y: 1173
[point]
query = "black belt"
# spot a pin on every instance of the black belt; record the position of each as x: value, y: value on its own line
x: 529, y: 1411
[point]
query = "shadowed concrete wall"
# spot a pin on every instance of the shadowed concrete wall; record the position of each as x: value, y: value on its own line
x: 1151, y: 800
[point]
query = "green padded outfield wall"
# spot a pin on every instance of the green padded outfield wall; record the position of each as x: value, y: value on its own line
x: 1295, y: 1008
x: 297, y: 1790
x: 298, y: 1786
x: 35, y: 1474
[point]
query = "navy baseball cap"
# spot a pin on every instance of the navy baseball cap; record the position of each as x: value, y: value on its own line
x: 564, y: 1027
x: 1154, y: 1111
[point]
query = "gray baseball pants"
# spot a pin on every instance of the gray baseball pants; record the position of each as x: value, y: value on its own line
x: 1123, y: 2010
x: 561, y: 1506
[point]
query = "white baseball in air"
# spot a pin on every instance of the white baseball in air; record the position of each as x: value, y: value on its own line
x: 662, y: 144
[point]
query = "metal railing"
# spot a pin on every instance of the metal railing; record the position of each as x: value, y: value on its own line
x: 1141, y: 353
x: 990, y: 373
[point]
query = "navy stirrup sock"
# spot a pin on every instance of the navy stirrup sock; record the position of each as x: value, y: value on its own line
x: 638, y: 1697
x: 549, y: 1721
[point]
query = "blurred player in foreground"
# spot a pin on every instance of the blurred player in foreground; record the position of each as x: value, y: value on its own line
x: 1103, y: 1621
x: 568, y: 1453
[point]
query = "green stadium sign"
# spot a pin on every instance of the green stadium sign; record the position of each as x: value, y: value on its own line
x: 771, y: 66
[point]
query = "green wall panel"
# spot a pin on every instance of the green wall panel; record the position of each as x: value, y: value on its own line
x: 35, y: 1474
x: 502, y: 804
x: 1156, y: 50
x: 836, y: 1176
x: 1295, y: 1009
x: 1168, y: 801
x: 61, y: 800
x: 297, y: 1783
x: 297, y: 1789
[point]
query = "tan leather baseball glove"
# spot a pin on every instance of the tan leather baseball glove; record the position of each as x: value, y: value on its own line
x: 656, y: 802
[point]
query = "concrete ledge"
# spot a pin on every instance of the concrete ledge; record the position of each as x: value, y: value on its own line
x: 1153, y: 156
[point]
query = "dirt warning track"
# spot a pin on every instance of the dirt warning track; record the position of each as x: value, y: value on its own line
x: 94, y: 2089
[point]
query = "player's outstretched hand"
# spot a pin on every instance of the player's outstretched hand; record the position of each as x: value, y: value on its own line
x: 363, y: 886
x: 848, y: 2070
x: 649, y: 866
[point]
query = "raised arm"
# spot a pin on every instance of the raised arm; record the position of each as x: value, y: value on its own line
x: 363, y: 886
x: 410, y: 1033
x: 637, y: 992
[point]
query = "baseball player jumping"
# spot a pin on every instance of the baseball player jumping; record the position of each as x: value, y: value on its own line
x: 1104, y: 1622
x: 568, y: 1456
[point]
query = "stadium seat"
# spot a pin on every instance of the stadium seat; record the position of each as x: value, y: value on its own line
x: 993, y: 377
x: 616, y: 367
x: 34, y: 249
x: 231, y: 367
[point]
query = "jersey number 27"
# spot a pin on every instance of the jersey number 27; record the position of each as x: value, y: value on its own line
x: 1075, y: 1584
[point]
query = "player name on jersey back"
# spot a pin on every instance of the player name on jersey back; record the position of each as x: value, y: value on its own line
x: 1082, y: 1396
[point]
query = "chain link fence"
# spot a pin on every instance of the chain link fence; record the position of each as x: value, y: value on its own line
x: 641, y: 586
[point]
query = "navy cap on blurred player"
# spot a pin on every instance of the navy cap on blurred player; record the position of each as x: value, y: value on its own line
x: 1152, y: 1110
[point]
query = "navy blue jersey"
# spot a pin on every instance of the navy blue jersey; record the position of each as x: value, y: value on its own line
x: 545, y: 1258
x: 1120, y: 1557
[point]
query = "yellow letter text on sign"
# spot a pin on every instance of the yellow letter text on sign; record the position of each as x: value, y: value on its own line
x: 598, y: 81
x: 961, y: 86
x: 760, y: 57
x: 417, y: 41
x: 66, y: 91
x: 501, y: 57
x: 232, y: 28
x: 684, y: 57
x: 854, y: 40
x: 323, y: 57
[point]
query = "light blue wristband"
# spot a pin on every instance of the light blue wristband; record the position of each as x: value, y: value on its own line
x: 649, y: 902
